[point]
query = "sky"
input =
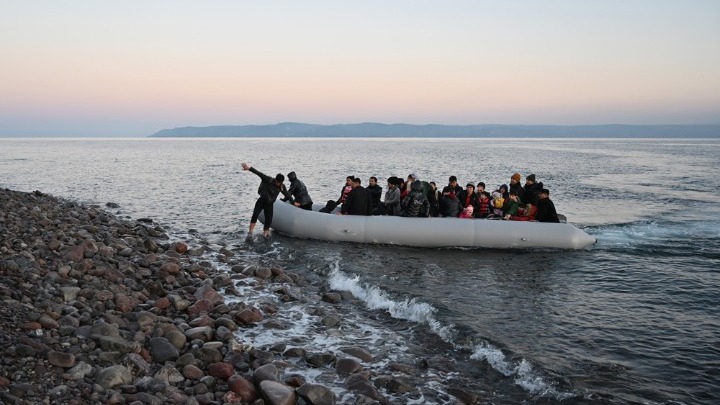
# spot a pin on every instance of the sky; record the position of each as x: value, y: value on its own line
x: 131, y: 68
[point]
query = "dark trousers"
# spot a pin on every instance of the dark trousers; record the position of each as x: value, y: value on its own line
x: 266, y: 206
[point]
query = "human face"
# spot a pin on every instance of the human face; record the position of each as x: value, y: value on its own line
x: 372, y: 182
x: 480, y: 189
x: 348, y: 181
x: 453, y: 183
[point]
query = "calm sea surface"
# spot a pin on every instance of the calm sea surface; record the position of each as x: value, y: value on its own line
x: 634, y: 319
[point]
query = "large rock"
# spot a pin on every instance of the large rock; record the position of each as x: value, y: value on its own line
x: 244, y: 388
x: 113, y: 376
x: 267, y: 372
x: 249, y: 316
x: 199, y: 307
x: 208, y: 293
x: 204, y: 333
x: 275, y: 393
x: 79, y: 372
x: 347, y: 366
x: 69, y: 293
x: 360, y: 353
x: 162, y: 350
x: 315, y: 394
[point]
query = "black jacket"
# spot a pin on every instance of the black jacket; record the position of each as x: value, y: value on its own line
x: 298, y: 191
x: 359, y: 202
x: 376, y: 194
x: 546, y: 211
x: 268, y: 190
x: 531, y: 193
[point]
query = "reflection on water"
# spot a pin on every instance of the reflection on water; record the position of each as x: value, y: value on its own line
x: 633, y: 319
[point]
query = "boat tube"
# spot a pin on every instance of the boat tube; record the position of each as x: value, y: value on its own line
x: 425, y: 232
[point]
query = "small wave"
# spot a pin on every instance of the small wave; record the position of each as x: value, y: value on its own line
x: 374, y: 298
x: 523, y: 371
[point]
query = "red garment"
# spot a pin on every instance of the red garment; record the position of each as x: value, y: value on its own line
x: 526, y: 216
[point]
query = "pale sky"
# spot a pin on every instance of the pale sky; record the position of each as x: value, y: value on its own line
x: 130, y: 68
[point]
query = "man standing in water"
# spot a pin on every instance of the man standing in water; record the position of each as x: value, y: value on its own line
x: 268, y: 191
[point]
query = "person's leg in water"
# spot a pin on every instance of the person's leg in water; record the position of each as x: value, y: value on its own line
x: 259, y: 205
x: 268, y: 219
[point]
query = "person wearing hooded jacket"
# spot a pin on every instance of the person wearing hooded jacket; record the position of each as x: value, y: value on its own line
x: 298, y: 192
x: 531, y: 191
x: 268, y: 191
x: 416, y: 204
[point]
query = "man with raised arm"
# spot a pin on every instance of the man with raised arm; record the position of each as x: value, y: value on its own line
x: 268, y: 192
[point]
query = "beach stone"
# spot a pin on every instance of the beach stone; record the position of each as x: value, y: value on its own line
x: 126, y: 252
x: 222, y: 371
x: 202, y: 320
x: 169, y: 374
x: 47, y: 322
x: 162, y: 303
x: 464, y: 396
x: 249, y: 316
x: 403, y: 368
x: 315, y: 394
x: 125, y: 303
x: 319, y: 360
x: 207, y: 355
x: 204, y: 333
x: 275, y: 393
x: 398, y: 385
x: 170, y: 268
x: 60, y: 359
x: 223, y: 334
x: 75, y: 254
x: 118, y: 344
x: 179, y: 303
x: 263, y: 273
x: 113, y: 376
x: 90, y: 248
x: 192, y: 372
x: 295, y: 352
x: 186, y: 359
x: 79, y: 372
x: 69, y: 293
x: 208, y: 293
x: 358, y: 352
x: 360, y: 384
x: 54, y: 245
x: 137, y: 365
x: 226, y: 322
x: 181, y: 247
x: 242, y: 387
x: 200, y: 306
x: 104, y: 329
x: 267, y: 372
x: 162, y: 350
x: 346, y: 366
x: 333, y: 298
x: 177, y: 338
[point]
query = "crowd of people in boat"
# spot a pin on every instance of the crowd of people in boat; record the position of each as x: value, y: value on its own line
x: 414, y: 198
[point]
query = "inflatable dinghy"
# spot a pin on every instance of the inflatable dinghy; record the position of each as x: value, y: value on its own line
x: 425, y: 232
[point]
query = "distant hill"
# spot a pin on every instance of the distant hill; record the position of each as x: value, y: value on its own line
x: 374, y: 130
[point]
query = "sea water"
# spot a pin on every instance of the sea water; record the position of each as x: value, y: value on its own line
x: 633, y: 319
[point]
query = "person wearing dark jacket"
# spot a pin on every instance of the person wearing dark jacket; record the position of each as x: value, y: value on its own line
x: 450, y: 206
x: 298, y: 192
x: 517, y: 187
x: 359, y: 200
x: 268, y: 192
x: 545, y: 208
x: 416, y: 204
x: 468, y: 197
x: 531, y: 190
x: 375, y: 191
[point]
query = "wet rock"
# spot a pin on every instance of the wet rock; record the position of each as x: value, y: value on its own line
x: 347, y: 366
x: 359, y: 383
x: 330, y: 321
x: 267, y: 372
x: 333, y: 298
x: 249, y: 316
x: 320, y: 360
x: 169, y: 375
x: 177, y: 338
x: 113, y: 376
x: 464, y: 396
x: 200, y: 306
x: 295, y: 352
x: 208, y: 293
x: 181, y: 248
x: 358, y: 352
x: 69, y: 293
x: 275, y: 393
x: 118, y: 344
x: 79, y: 372
x: 314, y: 394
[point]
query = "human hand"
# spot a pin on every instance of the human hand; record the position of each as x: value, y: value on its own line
x: 245, y: 166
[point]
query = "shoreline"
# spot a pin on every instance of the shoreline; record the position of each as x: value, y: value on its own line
x: 98, y: 309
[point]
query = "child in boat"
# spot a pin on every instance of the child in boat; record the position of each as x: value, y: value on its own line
x: 467, y: 212
x: 484, y: 204
x: 511, y: 206
x: 497, y: 204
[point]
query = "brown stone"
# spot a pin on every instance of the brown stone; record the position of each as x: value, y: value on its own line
x: 208, y: 293
x: 60, y: 359
x: 192, y: 372
x: 124, y: 303
x: 76, y: 253
x: 242, y: 387
x: 171, y: 268
x: 199, y: 307
x: 181, y: 248
x: 222, y: 371
x: 162, y: 303
x: 249, y: 315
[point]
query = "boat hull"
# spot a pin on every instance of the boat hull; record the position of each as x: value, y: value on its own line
x: 426, y: 232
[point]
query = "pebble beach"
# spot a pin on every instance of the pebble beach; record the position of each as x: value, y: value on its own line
x: 98, y: 309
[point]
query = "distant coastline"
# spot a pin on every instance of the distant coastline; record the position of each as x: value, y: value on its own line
x: 376, y: 130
